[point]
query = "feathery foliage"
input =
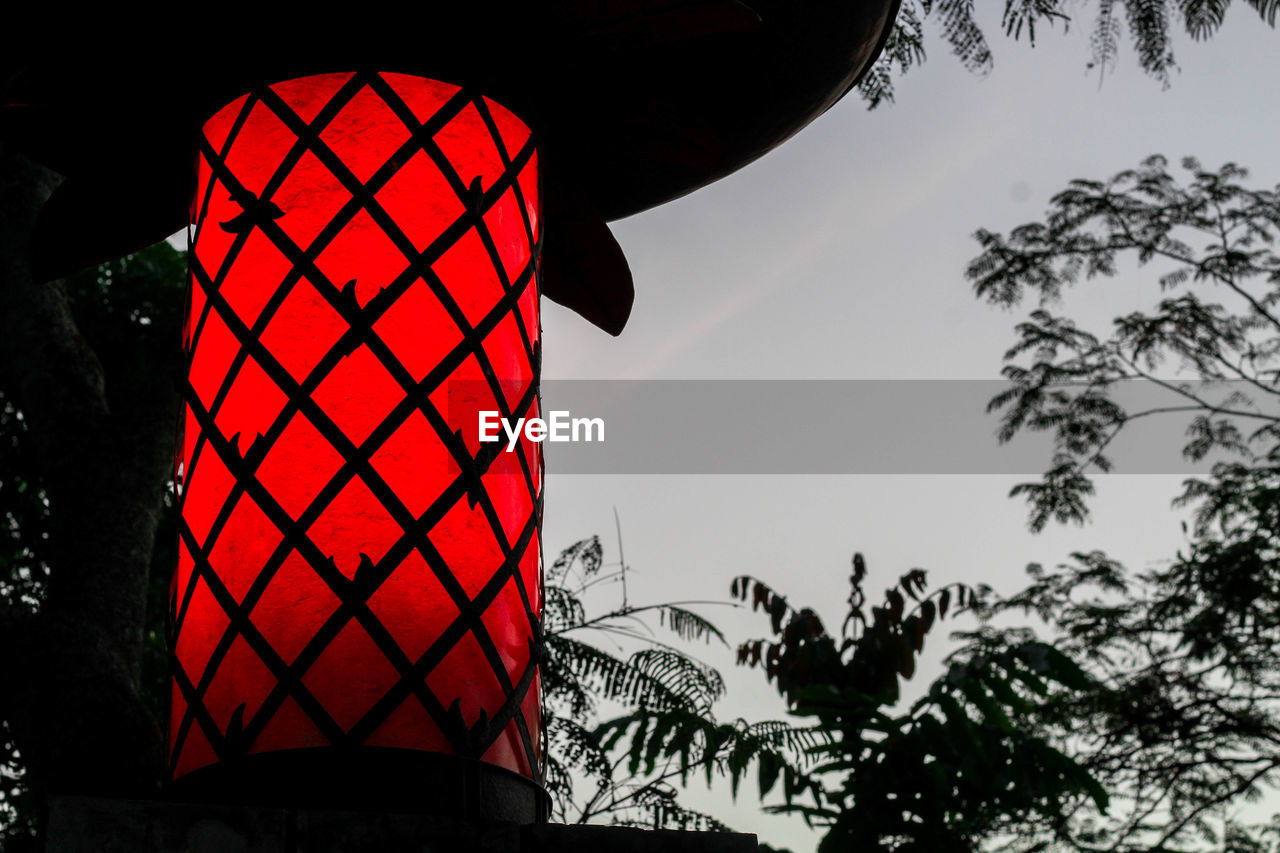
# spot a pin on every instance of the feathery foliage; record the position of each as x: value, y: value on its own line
x: 627, y: 669
x: 951, y: 769
x: 1182, y: 729
x: 1210, y: 345
x: 1150, y: 24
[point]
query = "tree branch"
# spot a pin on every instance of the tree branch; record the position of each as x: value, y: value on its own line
x: 59, y: 378
x: 83, y: 727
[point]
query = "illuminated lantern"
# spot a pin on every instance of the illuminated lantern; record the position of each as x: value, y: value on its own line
x: 358, y: 577
x: 355, y: 609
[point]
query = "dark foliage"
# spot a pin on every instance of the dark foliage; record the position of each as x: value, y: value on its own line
x: 947, y: 771
x: 1150, y: 25
x: 1183, y: 728
x: 614, y: 663
x: 125, y: 309
x: 1211, y: 341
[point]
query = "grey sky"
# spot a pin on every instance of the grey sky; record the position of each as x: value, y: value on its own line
x: 841, y: 255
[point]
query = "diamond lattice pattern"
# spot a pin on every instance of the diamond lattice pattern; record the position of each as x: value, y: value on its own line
x: 355, y: 568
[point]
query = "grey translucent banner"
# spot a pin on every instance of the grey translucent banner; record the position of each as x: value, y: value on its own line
x: 848, y: 427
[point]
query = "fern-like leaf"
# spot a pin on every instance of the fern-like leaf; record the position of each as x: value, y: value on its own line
x: 962, y: 32
x: 1104, y: 40
x: 688, y: 625
x: 587, y: 553
x: 1203, y: 17
x: 1267, y: 9
x: 1149, y: 28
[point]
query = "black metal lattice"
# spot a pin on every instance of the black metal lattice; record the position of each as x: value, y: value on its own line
x: 235, y: 690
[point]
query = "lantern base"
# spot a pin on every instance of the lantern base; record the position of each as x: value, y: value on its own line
x: 97, y: 825
x: 370, y: 779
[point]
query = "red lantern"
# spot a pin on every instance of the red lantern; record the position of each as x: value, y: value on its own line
x: 356, y: 576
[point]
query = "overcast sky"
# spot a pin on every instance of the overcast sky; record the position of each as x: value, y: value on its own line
x: 841, y: 255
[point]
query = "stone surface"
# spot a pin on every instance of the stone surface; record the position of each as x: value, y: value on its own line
x: 85, y: 825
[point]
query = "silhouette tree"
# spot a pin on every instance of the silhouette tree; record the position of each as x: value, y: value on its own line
x: 88, y: 403
x: 1150, y: 25
x: 963, y: 765
x: 1182, y: 730
x: 615, y: 662
x: 1211, y: 341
